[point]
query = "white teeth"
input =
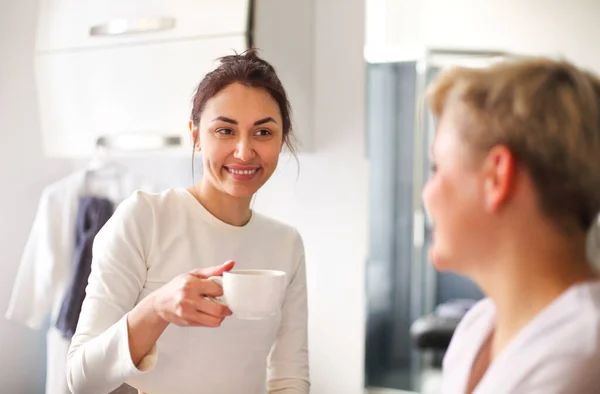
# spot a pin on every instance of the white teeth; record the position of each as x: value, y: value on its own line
x: 243, y: 172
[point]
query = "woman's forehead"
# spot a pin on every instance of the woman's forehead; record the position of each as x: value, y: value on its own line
x: 241, y: 103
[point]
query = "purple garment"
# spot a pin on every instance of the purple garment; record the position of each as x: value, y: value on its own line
x: 92, y: 214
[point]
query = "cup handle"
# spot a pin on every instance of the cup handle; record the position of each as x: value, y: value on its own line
x: 219, y: 300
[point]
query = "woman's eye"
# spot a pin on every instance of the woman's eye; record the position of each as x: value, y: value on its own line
x: 225, y: 131
x: 433, y: 168
x: 263, y: 132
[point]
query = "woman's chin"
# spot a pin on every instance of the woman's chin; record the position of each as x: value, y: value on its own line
x: 241, y: 190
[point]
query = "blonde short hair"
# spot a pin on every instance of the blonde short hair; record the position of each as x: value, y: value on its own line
x: 547, y: 113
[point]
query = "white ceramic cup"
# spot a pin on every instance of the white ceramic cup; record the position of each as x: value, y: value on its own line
x: 252, y: 294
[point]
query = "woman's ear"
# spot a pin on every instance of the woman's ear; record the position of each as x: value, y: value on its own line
x: 194, y: 135
x: 499, y: 167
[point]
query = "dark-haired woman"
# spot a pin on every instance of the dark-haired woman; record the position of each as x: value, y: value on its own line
x: 147, y: 319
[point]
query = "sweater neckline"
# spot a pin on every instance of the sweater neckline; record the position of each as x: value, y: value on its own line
x: 209, y: 217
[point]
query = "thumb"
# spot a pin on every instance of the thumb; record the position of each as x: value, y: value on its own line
x: 204, y: 273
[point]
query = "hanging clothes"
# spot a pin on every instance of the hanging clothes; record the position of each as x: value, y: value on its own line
x: 46, y: 271
x: 92, y: 214
x: 42, y: 276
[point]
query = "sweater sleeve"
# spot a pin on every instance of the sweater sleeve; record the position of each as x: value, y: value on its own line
x: 287, y: 370
x: 99, y: 360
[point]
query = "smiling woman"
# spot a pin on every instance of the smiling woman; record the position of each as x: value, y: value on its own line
x: 150, y: 317
x: 240, y: 136
x: 240, y: 121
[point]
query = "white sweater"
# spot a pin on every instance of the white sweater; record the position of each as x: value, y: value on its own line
x: 150, y: 240
x: 558, y: 352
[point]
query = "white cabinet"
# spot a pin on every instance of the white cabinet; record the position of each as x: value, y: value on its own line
x: 93, y: 82
x: 121, y: 89
x: 73, y: 24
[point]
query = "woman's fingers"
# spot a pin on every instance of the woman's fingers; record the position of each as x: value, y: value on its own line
x: 205, y: 273
x: 200, y: 311
x: 212, y: 308
x: 193, y: 288
x: 190, y: 315
x: 200, y: 320
x: 190, y: 306
x: 208, y: 288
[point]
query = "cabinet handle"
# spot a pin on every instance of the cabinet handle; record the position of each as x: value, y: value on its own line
x: 132, y: 26
x: 138, y: 141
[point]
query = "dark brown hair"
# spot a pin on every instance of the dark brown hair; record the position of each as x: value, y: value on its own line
x: 249, y: 70
x: 547, y: 113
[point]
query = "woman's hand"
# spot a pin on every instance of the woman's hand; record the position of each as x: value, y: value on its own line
x: 183, y: 300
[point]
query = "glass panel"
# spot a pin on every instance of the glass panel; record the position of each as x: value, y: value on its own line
x: 390, y: 98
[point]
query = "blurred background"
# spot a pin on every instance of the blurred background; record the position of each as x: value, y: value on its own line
x: 87, y: 85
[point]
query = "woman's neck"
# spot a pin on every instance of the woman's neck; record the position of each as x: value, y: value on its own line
x: 231, y: 210
x: 529, y: 277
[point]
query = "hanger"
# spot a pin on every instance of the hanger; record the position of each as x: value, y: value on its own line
x: 102, y: 163
x: 104, y: 176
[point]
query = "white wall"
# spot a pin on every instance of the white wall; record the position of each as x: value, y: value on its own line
x: 548, y: 27
x: 24, y: 173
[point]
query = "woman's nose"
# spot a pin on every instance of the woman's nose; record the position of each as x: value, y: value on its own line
x: 244, y: 151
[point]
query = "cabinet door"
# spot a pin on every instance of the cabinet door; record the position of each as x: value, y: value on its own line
x: 72, y: 24
x: 121, y: 89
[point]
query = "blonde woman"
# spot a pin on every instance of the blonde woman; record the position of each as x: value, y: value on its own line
x: 515, y: 190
